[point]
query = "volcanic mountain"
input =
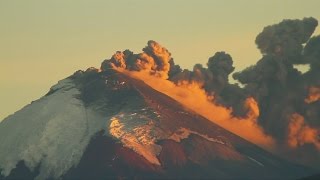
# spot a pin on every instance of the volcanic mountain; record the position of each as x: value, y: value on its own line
x: 142, y: 116
x: 98, y: 125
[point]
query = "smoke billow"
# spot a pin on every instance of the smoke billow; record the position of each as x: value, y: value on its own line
x: 299, y: 133
x: 277, y: 107
x: 314, y: 95
x: 281, y: 90
x: 154, y: 59
x: 193, y: 96
x: 215, y: 81
x: 286, y: 38
x: 118, y: 59
x: 215, y: 77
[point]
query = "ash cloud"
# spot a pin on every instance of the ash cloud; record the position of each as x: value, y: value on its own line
x: 286, y: 38
x: 280, y: 89
x: 286, y: 102
x: 155, y: 59
x: 277, y: 85
x: 214, y: 79
x: 299, y: 133
x: 311, y: 54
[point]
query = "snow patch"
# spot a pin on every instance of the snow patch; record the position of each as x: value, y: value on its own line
x: 184, y: 133
x: 139, y: 133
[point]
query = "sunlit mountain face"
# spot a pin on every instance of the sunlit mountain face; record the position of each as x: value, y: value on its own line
x: 142, y: 116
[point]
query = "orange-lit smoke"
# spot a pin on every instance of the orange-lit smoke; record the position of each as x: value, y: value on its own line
x: 154, y: 59
x: 314, y: 95
x: 119, y: 59
x: 300, y: 133
x: 193, y: 97
x: 162, y: 56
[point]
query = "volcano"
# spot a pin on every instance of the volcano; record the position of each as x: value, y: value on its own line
x: 105, y: 124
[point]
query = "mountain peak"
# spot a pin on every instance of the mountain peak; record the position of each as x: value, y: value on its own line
x: 138, y: 127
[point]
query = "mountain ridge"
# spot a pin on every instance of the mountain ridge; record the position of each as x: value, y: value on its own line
x: 194, y: 151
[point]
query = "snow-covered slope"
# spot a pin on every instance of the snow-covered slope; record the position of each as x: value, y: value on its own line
x: 53, y: 131
x: 103, y: 123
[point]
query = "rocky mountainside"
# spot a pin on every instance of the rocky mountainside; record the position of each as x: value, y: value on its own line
x: 97, y: 125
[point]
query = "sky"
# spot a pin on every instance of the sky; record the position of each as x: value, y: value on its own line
x: 42, y: 41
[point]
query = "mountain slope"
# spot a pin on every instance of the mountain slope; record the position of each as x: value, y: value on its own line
x: 105, y: 124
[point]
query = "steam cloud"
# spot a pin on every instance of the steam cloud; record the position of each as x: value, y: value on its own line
x: 277, y: 106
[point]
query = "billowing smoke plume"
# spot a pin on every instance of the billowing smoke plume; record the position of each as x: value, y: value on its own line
x: 299, y: 133
x: 118, y: 59
x: 215, y: 81
x: 154, y: 59
x: 277, y: 106
x: 287, y: 98
x: 192, y: 96
x: 286, y: 38
x: 215, y: 77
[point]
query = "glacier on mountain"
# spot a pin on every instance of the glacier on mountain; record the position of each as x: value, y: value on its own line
x: 52, y: 132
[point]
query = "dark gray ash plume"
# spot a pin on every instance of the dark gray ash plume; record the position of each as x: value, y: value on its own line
x: 289, y: 101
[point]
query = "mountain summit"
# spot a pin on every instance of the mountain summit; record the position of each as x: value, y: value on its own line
x: 142, y: 116
x: 96, y: 125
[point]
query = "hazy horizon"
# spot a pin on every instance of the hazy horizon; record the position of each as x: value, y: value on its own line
x: 44, y: 42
